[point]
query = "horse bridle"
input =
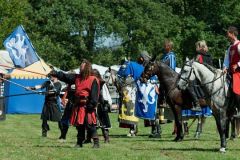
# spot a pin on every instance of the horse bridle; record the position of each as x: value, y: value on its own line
x: 151, y: 69
x: 192, y: 70
x: 187, y: 80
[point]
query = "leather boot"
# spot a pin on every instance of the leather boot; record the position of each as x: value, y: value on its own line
x: 195, y: 106
x: 88, y: 140
x: 106, y: 135
x: 44, y: 133
x: 95, y: 143
x: 79, y: 143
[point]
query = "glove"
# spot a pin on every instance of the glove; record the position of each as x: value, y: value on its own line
x: 52, y: 73
x: 30, y: 88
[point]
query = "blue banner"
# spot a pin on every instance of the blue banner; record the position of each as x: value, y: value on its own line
x: 20, y: 48
x: 146, y: 102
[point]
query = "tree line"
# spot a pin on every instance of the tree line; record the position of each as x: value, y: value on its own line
x: 105, y: 31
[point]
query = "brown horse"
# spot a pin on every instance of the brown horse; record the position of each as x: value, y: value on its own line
x: 175, y: 98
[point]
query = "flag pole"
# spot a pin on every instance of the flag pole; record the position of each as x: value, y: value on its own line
x: 23, y: 70
x: 34, y: 49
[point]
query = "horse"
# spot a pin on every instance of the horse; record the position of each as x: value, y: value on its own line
x: 214, y: 83
x: 175, y: 98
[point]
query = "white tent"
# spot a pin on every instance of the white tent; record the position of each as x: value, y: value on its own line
x: 5, y: 61
x: 37, y: 69
x: 101, y: 69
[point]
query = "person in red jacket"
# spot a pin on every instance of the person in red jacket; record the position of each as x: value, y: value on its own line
x: 87, y: 89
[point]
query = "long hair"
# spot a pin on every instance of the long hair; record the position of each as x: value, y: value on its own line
x: 97, y: 74
x: 201, y: 46
x: 87, y: 70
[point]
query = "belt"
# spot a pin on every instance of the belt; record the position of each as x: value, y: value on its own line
x: 80, y: 100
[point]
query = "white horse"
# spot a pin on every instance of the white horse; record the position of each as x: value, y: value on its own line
x: 213, y: 81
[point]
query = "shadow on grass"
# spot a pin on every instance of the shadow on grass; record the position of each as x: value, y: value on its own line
x: 53, y: 146
x: 125, y: 135
x: 185, y: 149
x: 164, y: 138
x: 169, y: 140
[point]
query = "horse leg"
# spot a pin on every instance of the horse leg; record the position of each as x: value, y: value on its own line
x: 198, y: 130
x: 237, y: 127
x: 221, y: 125
x: 233, y: 126
x: 227, y: 126
x: 174, y: 128
x: 176, y: 113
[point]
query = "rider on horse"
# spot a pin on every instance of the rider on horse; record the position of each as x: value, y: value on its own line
x: 201, y: 57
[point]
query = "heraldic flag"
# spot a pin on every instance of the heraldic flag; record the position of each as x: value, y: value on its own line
x: 20, y: 48
x: 146, y: 101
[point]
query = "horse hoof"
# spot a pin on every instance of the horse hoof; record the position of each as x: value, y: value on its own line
x: 196, y: 136
x: 232, y: 138
x: 222, y: 150
x: 186, y: 133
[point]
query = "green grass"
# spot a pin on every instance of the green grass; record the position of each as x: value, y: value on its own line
x: 20, y: 139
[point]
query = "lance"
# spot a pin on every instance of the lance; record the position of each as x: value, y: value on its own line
x: 23, y: 70
x: 18, y: 84
x: 22, y: 94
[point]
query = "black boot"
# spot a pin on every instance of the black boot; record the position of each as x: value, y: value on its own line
x: 153, y: 130
x: 45, y: 128
x: 64, y: 131
x: 88, y: 138
x: 195, y: 106
x: 44, y: 133
x: 159, y: 131
x: 95, y: 143
x: 106, y: 135
x: 79, y: 143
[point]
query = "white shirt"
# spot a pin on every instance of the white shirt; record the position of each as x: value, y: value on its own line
x: 106, y: 94
x: 226, y: 58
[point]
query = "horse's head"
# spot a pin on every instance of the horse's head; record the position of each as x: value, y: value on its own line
x: 149, y: 70
x: 186, y: 75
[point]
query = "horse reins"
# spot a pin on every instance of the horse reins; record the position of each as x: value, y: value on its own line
x: 214, y: 79
x: 199, y: 85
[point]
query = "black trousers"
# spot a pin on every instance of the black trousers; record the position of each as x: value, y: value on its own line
x: 45, y: 126
x: 92, y: 130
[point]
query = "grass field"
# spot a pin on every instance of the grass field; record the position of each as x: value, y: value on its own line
x: 20, y: 139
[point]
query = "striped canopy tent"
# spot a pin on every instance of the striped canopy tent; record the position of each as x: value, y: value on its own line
x: 17, y: 100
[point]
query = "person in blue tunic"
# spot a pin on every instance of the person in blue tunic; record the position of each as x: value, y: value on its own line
x: 131, y: 71
x: 168, y: 58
